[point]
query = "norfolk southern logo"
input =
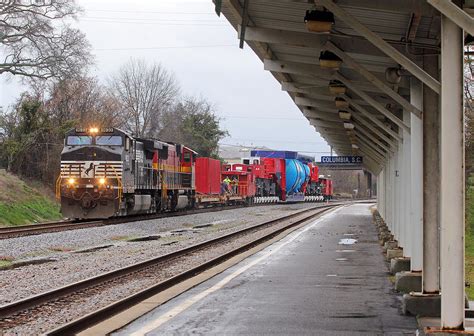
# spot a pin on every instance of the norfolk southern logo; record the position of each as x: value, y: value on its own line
x: 88, y: 170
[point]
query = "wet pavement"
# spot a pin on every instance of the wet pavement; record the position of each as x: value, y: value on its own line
x: 328, y: 278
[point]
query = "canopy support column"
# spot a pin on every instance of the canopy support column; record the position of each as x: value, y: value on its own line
x: 416, y: 183
x: 452, y: 176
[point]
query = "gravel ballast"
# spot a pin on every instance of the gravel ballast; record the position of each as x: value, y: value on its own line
x: 70, y: 267
x: 143, y: 250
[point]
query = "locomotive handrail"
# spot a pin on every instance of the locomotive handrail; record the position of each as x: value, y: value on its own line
x: 119, y: 182
x: 58, y: 187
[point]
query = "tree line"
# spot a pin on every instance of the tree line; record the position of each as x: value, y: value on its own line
x: 54, y: 61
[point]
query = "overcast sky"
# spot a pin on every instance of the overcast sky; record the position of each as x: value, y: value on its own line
x: 201, y: 49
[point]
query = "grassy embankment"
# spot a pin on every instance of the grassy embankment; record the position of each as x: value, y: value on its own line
x: 21, y: 203
x: 470, y: 238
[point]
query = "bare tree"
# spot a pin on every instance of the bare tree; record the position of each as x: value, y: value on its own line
x: 35, y: 41
x: 144, y: 92
x: 83, y: 101
x: 193, y: 122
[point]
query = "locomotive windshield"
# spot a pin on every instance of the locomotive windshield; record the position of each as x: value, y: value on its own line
x: 108, y: 140
x: 79, y: 140
x: 100, y: 140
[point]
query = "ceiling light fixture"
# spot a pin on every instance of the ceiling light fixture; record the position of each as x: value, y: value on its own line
x: 330, y: 60
x: 319, y: 21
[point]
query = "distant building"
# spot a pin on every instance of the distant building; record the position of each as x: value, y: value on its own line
x: 235, y: 153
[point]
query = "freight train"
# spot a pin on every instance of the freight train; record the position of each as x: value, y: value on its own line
x: 106, y: 172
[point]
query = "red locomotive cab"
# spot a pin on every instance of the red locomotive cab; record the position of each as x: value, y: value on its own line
x: 187, y: 160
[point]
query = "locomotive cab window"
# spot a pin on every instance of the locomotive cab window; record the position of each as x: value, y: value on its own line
x: 108, y: 140
x: 187, y: 157
x: 79, y: 140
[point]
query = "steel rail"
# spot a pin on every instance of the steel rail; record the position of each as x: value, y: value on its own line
x: 50, y: 227
x: 35, y: 229
x: 10, y: 309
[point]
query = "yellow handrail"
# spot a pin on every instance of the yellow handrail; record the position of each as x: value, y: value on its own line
x: 119, y: 183
x: 58, y: 187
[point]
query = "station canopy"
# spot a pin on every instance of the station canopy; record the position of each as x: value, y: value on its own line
x: 351, y: 80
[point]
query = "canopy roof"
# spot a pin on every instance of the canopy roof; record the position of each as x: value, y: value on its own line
x: 369, y: 37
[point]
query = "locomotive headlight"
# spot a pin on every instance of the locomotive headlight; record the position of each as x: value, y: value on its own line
x: 93, y: 130
x: 71, y: 181
x: 102, y: 181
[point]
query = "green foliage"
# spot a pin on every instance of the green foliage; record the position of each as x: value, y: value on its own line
x: 23, y: 203
x: 193, y: 123
x: 470, y: 205
x: 37, y: 209
x: 203, y: 133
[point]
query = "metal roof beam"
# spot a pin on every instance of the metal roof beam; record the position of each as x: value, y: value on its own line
x: 399, y: 6
x: 297, y: 68
x: 455, y: 14
x: 326, y: 124
x: 382, y: 45
x: 364, y: 124
x: 316, y: 42
x: 371, y: 145
x: 373, y: 102
x: 371, y: 78
x: 321, y: 106
x: 372, y: 118
x: 314, y: 114
x: 335, y: 132
x: 370, y: 152
x: 373, y: 139
x: 371, y: 155
x: 316, y: 93
x: 308, y: 81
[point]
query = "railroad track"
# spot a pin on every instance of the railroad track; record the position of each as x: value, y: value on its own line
x: 35, y: 229
x: 13, y: 313
x: 49, y: 227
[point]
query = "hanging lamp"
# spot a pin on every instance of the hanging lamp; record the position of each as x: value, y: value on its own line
x: 319, y: 21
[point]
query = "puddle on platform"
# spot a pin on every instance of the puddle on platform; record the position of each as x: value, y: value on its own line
x: 347, y: 241
x: 345, y: 251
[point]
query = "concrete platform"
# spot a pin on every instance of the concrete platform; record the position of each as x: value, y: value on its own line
x: 399, y: 265
x: 406, y: 282
x: 316, y: 281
